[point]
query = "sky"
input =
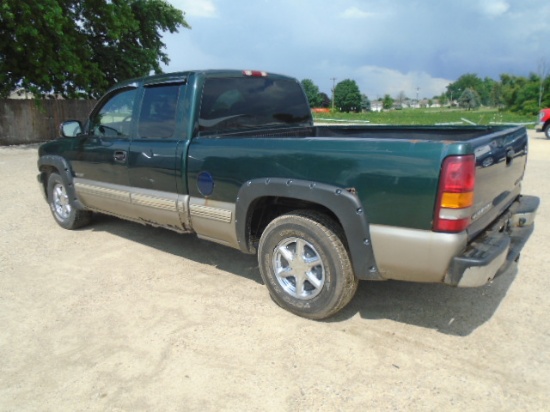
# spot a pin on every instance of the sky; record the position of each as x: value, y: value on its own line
x: 387, y: 46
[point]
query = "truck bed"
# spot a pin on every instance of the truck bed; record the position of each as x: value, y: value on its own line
x: 394, y: 170
x: 437, y: 133
x: 433, y: 133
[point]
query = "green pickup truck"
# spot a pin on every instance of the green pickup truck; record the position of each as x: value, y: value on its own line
x: 234, y: 157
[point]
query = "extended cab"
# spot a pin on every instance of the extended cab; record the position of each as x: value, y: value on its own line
x: 543, y: 123
x: 234, y: 157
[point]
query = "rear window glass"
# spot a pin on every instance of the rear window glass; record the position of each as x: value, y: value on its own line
x: 230, y: 104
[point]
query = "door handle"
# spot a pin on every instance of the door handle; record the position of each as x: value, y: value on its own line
x: 120, y: 156
x: 510, y: 156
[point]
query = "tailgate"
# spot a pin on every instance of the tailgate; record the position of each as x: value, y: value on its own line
x: 500, y: 164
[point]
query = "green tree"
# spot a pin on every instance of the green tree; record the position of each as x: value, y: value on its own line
x: 347, y: 96
x: 365, y: 103
x: 387, y: 102
x: 312, y: 93
x: 466, y: 81
x: 528, y: 96
x: 496, y: 95
x: 510, y: 85
x: 515, y: 93
x: 469, y: 99
x: 542, y: 70
x: 325, y: 100
x: 522, y: 94
x: 81, y: 47
x: 486, y: 92
x: 545, y: 98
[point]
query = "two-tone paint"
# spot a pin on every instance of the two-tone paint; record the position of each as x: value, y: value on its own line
x: 380, y: 183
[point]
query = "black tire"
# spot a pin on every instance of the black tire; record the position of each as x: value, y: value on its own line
x: 62, y: 207
x: 547, y: 131
x: 326, y: 283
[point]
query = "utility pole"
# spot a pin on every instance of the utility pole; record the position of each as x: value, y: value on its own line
x: 333, y: 88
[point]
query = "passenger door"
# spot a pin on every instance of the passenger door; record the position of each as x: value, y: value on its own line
x: 155, y: 164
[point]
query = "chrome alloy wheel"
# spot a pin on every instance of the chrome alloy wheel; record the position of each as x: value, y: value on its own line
x: 61, y: 204
x: 298, y: 268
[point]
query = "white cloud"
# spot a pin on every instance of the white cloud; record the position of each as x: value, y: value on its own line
x: 387, y: 47
x: 494, y: 8
x: 196, y: 8
x: 355, y: 13
x: 377, y: 81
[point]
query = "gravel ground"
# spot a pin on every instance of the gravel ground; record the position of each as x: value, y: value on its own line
x: 122, y: 317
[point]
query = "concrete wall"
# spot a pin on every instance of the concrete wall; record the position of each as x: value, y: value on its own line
x: 31, y: 121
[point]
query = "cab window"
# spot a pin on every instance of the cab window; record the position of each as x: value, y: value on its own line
x: 230, y: 104
x: 114, y: 117
x: 157, y: 117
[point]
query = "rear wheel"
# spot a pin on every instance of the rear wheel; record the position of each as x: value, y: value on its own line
x: 547, y: 131
x: 305, y: 264
x: 62, y: 206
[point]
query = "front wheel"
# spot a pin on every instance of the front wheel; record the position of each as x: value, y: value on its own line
x: 62, y: 207
x: 547, y: 131
x: 305, y: 265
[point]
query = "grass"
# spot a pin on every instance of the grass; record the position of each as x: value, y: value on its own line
x: 483, y: 116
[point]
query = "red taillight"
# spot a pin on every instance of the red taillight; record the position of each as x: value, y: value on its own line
x: 456, y: 194
x: 254, y: 73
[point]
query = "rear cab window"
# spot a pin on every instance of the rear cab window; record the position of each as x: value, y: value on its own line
x: 243, y: 103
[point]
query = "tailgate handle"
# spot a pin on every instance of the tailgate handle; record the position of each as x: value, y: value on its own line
x: 120, y: 156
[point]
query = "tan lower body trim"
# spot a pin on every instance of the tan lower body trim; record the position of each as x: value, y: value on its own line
x: 214, y: 220
x: 414, y: 255
x: 156, y: 208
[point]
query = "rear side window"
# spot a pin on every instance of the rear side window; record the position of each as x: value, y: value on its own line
x: 231, y: 104
x: 157, y: 117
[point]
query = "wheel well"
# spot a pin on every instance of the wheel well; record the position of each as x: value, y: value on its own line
x: 264, y: 210
x: 45, y: 172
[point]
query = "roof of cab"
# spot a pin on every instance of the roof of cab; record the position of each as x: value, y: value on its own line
x: 177, y: 77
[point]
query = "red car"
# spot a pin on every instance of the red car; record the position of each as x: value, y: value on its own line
x: 543, y: 124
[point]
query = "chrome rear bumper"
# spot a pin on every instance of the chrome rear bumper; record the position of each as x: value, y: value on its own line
x: 494, y: 251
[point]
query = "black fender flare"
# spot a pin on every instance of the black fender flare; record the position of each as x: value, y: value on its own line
x: 64, y: 170
x: 344, y: 204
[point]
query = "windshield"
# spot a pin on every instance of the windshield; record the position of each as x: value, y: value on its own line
x: 230, y: 104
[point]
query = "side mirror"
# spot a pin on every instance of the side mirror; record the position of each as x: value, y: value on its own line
x: 70, y: 128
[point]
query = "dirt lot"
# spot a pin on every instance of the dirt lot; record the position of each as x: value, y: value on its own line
x: 122, y: 317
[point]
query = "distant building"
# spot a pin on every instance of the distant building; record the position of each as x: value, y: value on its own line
x: 376, y: 106
x: 20, y: 94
